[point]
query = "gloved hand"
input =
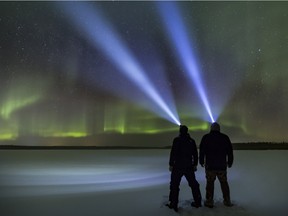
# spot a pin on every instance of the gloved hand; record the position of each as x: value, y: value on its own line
x: 195, y: 168
x: 229, y: 165
x: 170, y: 168
x: 202, y: 165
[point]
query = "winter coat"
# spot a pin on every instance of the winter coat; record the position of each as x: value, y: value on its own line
x: 216, y: 151
x: 184, y: 154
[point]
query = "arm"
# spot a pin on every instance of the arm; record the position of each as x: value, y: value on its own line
x: 202, y: 153
x: 172, y: 154
x: 230, y: 153
x: 195, y: 154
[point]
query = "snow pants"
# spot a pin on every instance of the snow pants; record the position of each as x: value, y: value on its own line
x: 176, y: 177
x: 222, y: 177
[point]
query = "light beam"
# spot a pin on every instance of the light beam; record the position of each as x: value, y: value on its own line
x: 178, y: 35
x: 101, y: 34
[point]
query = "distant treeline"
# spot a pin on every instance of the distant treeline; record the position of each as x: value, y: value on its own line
x: 236, y: 146
x: 261, y: 146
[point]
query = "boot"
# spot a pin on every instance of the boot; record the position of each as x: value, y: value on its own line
x: 172, y: 206
x: 227, y: 203
x: 209, y: 204
x: 196, y: 205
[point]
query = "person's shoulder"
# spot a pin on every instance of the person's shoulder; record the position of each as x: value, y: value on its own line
x: 176, y: 139
x: 204, y: 139
x: 189, y: 137
x: 191, y: 140
x: 224, y: 135
x: 206, y: 135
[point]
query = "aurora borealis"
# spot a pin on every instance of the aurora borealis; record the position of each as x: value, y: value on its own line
x: 56, y: 82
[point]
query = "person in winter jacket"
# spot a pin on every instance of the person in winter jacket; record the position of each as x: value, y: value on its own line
x: 183, y: 162
x: 216, y: 154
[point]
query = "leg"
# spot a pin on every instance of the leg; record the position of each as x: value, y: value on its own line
x: 195, y: 187
x: 222, y: 177
x: 210, y: 177
x: 176, y: 176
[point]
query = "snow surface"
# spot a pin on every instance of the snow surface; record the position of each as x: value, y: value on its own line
x: 132, y: 182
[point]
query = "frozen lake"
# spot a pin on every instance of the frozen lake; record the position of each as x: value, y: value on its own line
x: 131, y: 182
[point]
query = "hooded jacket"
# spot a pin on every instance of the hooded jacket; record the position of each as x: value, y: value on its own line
x: 184, y: 154
x: 216, y: 151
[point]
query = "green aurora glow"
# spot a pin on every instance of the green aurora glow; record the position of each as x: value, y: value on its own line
x: 46, y: 90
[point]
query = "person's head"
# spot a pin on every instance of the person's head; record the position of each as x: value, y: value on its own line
x: 215, y: 127
x: 183, y: 129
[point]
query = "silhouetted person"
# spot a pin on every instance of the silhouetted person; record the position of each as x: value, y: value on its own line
x: 183, y: 161
x: 216, y: 154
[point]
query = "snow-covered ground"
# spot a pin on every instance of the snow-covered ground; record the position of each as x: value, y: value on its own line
x: 131, y: 182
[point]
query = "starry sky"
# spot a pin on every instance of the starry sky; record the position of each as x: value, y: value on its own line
x: 56, y: 81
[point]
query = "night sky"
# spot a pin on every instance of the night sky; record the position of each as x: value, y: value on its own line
x: 58, y: 80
